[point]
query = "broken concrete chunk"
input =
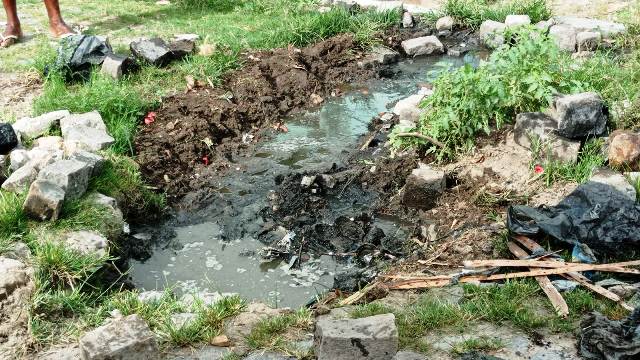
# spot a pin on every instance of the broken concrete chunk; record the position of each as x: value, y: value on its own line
x: 49, y: 143
x: 624, y: 149
x: 408, y: 109
x: 20, y: 179
x: 124, y: 338
x: 44, y: 201
x: 407, y: 20
x: 40, y: 158
x: 31, y: 128
x: 615, y: 180
x: 492, y: 33
x: 425, y: 45
x: 564, y: 37
x: 8, y: 138
x: 423, y: 188
x: 95, y: 161
x: 70, y: 175
x: 445, y: 23
x: 87, y: 243
x: 13, y: 274
x: 153, y: 51
x: 371, y: 338
x: 18, y: 158
x: 117, y: 66
x: 513, y: 21
x: 91, y: 119
x: 86, y: 138
x: 580, y: 115
x: 533, y: 126
x: 608, y: 29
x: 588, y: 40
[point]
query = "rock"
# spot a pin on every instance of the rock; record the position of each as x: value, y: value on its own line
x: 445, y: 23
x: 18, y: 251
x: 85, y: 132
x: 608, y: 29
x: 372, y: 338
x: 87, y: 243
x: 539, y: 129
x: 182, y: 48
x: 408, y: 109
x: 492, y: 33
x: 457, y: 51
x: 221, y: 340
x: 307, y: 181
x: 449, y: 295
x: 152, y: 296
x: 610, y: 282
x: 407, y: 20
x: 565, y: 285
x: 517, y: 20
x: 44, y: 201
x: 153, y: 51
x: 564, y: 36
x: 239, y: 327
x: 70, y: 175
x: 408, y: 355
x: 423, y: 188
x: 187, y: 37
x: 18, y: 158
x: 125, y: 338
x: 117, y: 66
x: 182, y: 320
x: 13, y: 274
x: 624, y: 149
x: 51, y: 143
x: 38, y: 157
x: 91, y: 119
x: 544, y: 25
x: 94, y: 161
x: 353, y: 279
x: 616, y: 180
x: 580, y: 115
x: 206, y: 299
x: 20, y: 179
x: 588, y: 40
x: 69, y: 353
x: 425, y: 45
x: 624, y: 291
x: 8, y: 138
x: 31, y: 128
x: 379, y: 55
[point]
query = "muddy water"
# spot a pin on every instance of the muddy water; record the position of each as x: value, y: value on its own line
x: 216, y: 249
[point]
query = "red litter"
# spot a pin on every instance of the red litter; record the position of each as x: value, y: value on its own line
x: 205, y: 160
x: 150, y: 118
x: 538, y: 169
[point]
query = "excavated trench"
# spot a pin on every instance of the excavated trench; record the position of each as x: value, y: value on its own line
x: 291, y: 213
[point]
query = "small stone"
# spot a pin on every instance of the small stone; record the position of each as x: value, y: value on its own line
x: 407, y: 20
x: 221, y: 340
x: 492, y: 33
x: 153, y: 51
x: 408, y: 109
x: 182, y: 320
x: 44, y: 201
x: 94, y: 161
x: 125, y: 338
x: 565, y: 285
x: 31, y: 128
x: 445, y: 23
x: 448, y: 295
x: 13, y: 274
x: 72, y: 176
x: 457, y: 51
x: 20, y: 179
x: 372, y: 338
x: 117, y: 66
x: 423, y: 188
x: 624, y: 149
x: 588, y: 40
x: 379, y: 55
x: 513, y: 21
x: 615, y: 180
x: 307, y: 181
x: 8, y: 138
x: 425, y: 45
x: 87, y: 243
x: 580, y: 115
x: 316, y: 99
x: 564, y: 36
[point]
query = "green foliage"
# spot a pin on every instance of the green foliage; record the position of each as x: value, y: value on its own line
x: 473, y: 12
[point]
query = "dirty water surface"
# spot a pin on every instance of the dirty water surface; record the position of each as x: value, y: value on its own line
x: 221, y: 248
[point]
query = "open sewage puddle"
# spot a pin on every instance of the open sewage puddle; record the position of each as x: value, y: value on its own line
x: 221, y: 247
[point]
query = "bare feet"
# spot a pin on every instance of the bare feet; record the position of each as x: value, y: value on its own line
x: 59, y: 29
x: 10, y: 36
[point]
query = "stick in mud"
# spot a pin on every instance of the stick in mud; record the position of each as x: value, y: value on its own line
x: 423, y: 137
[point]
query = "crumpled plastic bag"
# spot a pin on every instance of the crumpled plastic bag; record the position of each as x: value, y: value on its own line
x: 594, y: 214
x: 601, y: 338
x: 77, y: 54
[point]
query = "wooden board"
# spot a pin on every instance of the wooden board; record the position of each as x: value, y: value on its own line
x: 547, y: 264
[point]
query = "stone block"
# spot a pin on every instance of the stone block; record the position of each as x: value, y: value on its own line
x: 49, y: 143
x: 87, y: 242
x: 379, y: 55
x: 18, y: 158
x: 533, y: 125
x: 513, y: 21
x: 125, y: 338
x: 370, y: 338
x: 8, y: 138
x: 423, y: 188
x: 44, y: 201
x: 588, y: 40
x: 624, y: 149
x: 31, y: 128
x: 20, y: 179
x: 95, y: 161
x: 564, y: 36
x: 86, y: 138
x: 408, y: 109
x: 425, y: 45
x: 445, y: 23
x: 153, y: 51
x: 580, y: 115
x: 492, y: 33
x: 608, y: 29
x: 70, y: 175
x: 91, y: 119
x: 117, y: 66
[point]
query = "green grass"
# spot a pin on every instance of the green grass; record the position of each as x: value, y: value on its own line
x: 472, y: 13
x: 13, y: 222
x: 589, y: 158
x: 269, y: 333
x: 483, y: 343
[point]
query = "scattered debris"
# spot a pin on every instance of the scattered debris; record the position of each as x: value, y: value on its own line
x: 78, y: 54
x: 601, y: 338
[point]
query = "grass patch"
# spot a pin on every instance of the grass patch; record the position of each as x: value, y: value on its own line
x: 589, y: 158
x: 13, y: 222
x: 270, y: 333
x: 472, y: 13
x: 483, y: 343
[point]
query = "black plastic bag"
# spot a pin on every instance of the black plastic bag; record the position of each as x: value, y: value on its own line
x: 594, y: 214
x: 601, y: 338
x: 77, y: 54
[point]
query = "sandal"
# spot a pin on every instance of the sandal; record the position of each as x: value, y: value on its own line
x: 9, y: 40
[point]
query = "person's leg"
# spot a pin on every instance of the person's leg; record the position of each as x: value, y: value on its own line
x: 13, y: 24
x: 56, y: 24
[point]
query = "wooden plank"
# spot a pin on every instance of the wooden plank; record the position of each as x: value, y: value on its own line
x: 561, y: 307
x: 542, y: 264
